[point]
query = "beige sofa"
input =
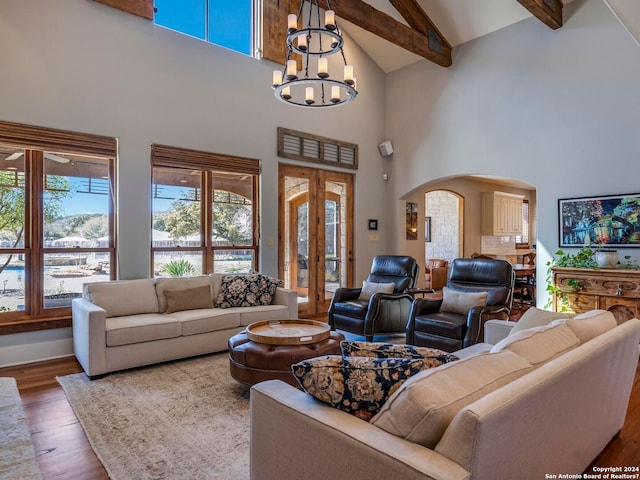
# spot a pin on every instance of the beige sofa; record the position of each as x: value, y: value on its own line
x: 129, y: 323
x: 553, y: 400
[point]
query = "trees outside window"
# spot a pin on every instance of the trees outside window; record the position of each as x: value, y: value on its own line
x: 205, y: 214
x: 56, y: 225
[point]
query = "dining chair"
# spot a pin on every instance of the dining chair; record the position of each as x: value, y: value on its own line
x: 524, y: 290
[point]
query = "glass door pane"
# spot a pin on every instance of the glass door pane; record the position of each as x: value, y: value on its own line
x: 337, y: 255
x: 296, y: 237
x: 301, y: 248
x: 333, y: 240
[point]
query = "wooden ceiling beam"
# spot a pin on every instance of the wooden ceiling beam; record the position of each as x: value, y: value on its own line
x: 547, y: 11
x: 431, y: 45
x: 274, y: 29
x: 418, y: 19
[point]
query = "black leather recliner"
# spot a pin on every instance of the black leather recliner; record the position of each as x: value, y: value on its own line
x: 382, y: 313
x: 428, y: 327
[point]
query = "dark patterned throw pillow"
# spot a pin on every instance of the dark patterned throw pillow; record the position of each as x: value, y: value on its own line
x: 356, y: 385
x: 246, y: 290
x: 432, y: 356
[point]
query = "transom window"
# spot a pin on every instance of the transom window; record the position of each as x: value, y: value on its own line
x: 226, y: 23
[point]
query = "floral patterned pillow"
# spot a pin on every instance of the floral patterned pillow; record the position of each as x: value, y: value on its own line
x: 357, y: 385
x: 432, y: 357
x: 246, y: 290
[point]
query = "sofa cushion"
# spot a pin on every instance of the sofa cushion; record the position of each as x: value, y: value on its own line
x: 461, y: 302
x: 144, y: 327
x: 123, y: 297
x: 535, y: 317
x: 539, y: 345
x: 180, y: 283
x: 246, y: 291
x: 357, y: 385
x: 206, y: 320
x: 188, y: 298
x: 274, y: 280
x: 589, y: 325
x: 432, y: 357
x: 371, y: 288
x: 216, y: 280
x: 422, y: 408
x: 356, y: 309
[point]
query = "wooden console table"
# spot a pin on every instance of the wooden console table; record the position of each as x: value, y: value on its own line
x: 615, y: 290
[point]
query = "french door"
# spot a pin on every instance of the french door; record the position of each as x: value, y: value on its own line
x: 315, y: 234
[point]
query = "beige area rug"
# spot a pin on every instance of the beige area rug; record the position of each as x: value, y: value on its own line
x: 17, y: 455
x: 180, y: 420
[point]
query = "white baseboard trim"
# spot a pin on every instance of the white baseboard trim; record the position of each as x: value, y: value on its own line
x: 21, y: 354
x: 34, y: 361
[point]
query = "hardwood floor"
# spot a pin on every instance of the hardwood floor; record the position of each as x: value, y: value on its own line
x: 64, y: 452
x: 61, y: 446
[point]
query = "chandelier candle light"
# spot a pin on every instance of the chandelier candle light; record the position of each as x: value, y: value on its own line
x: 304, y: 89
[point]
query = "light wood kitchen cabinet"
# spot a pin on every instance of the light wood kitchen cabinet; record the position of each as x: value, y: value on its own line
x: 501, y: 213
x: 615, y: 290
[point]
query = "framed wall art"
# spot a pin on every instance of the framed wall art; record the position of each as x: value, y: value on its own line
x: 411, y: 221
x: 612, y: 220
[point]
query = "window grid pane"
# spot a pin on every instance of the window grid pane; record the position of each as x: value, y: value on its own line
x: 185, y: 16
x: 228, y: 24
x: 177, y: 264
x: 176, y: 208
x: 12, y: 199
x: 233, y: 261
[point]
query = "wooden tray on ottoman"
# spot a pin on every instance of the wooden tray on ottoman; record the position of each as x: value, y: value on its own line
x: 288, y: 332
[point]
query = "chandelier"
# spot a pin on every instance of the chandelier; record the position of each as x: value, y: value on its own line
x: 313, y: 86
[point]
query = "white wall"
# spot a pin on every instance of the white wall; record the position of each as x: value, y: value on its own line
x: 79, y: 65
x: 557, y: 109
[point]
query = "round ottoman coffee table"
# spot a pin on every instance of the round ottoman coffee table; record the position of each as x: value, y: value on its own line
x: 252, y: 362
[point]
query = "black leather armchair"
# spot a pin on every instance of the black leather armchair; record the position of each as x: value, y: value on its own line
x: 428, y: 327
x: 383, y: 312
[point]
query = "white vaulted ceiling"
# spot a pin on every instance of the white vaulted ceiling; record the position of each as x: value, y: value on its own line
x: 462, y: 20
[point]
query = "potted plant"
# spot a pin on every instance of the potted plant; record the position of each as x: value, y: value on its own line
x: 583, y: 258
x: 594, y: 257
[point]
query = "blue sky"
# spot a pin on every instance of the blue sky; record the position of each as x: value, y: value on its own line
x: 229, y: 21
x: 90, y: 203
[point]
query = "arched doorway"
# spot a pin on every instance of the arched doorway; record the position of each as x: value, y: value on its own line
x: 444, y: 222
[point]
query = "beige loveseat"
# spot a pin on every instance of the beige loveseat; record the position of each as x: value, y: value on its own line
x: 545, y: 400
x: 129, y: 323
